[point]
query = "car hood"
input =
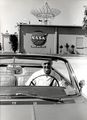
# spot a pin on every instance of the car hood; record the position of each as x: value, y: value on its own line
x: 71, y: 111
x: 62, y: 112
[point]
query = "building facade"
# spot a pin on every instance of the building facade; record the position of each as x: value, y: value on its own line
x: 48, y: 39
x: 52, y: 39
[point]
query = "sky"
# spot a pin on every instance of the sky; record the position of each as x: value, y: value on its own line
x: 15, y: 11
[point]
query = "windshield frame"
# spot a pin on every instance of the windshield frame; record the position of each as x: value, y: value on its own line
x: 71, y: 72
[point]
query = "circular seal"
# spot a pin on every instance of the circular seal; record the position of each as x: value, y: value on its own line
x: 39, y: 38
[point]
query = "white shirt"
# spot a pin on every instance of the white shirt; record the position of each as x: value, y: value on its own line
x: 41, y: 79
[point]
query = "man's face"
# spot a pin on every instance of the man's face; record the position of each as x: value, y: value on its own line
x: 47, y: 68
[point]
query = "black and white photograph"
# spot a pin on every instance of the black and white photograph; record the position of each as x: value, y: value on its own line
x: 43, y: 59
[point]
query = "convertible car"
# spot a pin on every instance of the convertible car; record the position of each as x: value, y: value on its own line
x: 21, y: 101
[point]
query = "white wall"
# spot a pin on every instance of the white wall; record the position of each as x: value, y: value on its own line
x: 13, y: 11
x: 71, y: 40
x: 48, y: 47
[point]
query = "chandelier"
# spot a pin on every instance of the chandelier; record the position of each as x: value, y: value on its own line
x: 45, y: 14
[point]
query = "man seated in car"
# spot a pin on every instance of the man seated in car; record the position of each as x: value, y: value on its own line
x: 43, y: 77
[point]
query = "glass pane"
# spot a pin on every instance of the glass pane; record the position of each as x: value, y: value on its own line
x: 61, y: 67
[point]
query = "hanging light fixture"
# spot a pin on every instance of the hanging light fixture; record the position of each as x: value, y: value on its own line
x: 45, y: 14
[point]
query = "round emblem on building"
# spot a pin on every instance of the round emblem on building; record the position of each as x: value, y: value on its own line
x: 39, y: 38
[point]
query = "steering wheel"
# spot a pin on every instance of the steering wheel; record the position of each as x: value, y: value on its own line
x: 32, y: 83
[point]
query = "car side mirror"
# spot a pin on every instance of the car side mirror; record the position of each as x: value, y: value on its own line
x: 81, y: 84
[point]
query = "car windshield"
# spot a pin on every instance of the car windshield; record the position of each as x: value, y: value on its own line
x: 33, y: 75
